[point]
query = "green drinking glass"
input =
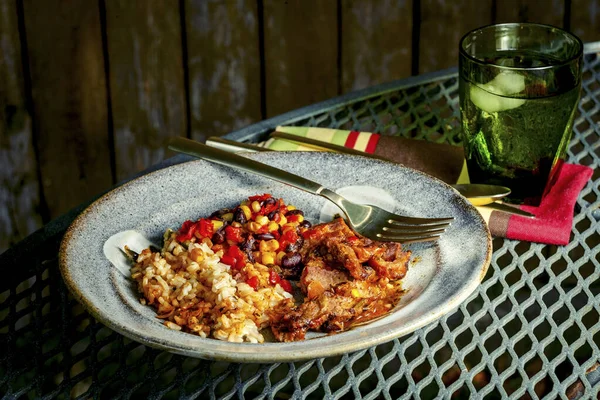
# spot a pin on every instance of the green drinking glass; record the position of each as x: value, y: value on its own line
x: 519, y: 86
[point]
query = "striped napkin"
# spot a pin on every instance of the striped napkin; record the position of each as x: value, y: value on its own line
x: 554, y: 216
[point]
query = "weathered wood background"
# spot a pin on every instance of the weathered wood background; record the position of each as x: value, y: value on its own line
x: 90, y: 90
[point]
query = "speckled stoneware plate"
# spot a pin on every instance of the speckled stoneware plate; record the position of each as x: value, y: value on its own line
x: 442, y: 275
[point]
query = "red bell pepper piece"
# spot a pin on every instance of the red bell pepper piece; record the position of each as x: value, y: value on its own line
x: 253, y: 282
x: 186, y: 232
x: 267, y: 209
x: 235, y: 258
x: 310, y: 234
x: 262, y: 229
x: 205, y: 228
x: 260, y: 197
x: 233, y: 234
x: 274, y: 278
x: 227, y: 259
x: 286, y: 285
x: 239, y: 256
x: 293, y: 218
x: 289, y: 237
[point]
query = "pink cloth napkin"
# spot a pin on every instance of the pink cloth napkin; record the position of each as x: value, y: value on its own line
x: 554, y: 216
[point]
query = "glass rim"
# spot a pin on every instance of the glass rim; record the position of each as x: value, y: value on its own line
x: 471, y: 58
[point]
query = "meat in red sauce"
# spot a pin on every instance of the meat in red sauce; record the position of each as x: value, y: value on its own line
x: 346, y: 279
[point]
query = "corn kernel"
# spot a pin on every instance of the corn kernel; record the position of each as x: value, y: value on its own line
x: 262, y: 220
x: 268, y: 258
x: 227, y: 217
x: 291, y: 207
x: 255, y: 206
x: 300, y: 218
x: 263, y: 246
x: 236, y: 224
x: 253, y: 226
x: 268, y: 245
x: 279, y: 257
x: 273, y: 226
x: 216, y: 224
x: 282, y: 220
x: 355, y: 293
x: 247, y: 212
x: 197, y: 255
x: 272, y: 245
x: 288, y: 226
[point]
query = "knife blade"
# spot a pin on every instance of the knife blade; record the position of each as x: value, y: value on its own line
x: 509, y: 209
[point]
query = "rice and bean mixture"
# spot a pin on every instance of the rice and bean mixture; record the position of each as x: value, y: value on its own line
x: 220, y: 276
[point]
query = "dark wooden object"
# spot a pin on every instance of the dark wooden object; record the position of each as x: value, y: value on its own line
x: 549, y: 12
x: 300, y: 39
x: 19, y: 184
x: 224, y: 65
x: 146, y: 81
x: 68, y: 88
x: 442, y: 24
x: 585, y: 19
x: 376, y: 42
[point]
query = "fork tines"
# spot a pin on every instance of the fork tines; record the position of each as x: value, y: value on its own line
x: 413, y: 230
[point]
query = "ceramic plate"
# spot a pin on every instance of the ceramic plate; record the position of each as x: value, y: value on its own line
x: 441, y: 276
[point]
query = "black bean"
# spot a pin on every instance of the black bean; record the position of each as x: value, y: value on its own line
x: 272, y: 214
x: 270, y: 200
x: 291, y: 260
x: 291, y: 247
x: 295, y: 212
x: 305, y: 224
x: 219, y: 236
x: 296, y: 245
x: 220, y: 213
x: 247, y: 244
x: 265, y: 236
x: 250, y: 256
x: 239, y: 216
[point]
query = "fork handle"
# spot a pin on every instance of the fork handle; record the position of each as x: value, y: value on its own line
x: 218, y: 156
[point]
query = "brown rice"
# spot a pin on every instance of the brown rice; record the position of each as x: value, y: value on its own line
x: 193, y: 291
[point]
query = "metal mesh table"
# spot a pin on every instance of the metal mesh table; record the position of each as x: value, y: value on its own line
x: 531, y: 330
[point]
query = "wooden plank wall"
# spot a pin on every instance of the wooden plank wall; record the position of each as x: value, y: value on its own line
x: 91, y: 90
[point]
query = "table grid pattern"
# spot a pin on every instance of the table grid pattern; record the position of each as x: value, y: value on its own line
x: 531, y: 330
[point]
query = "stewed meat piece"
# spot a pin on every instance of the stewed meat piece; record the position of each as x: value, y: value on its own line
x: 317, y: 277
x: 336, y: 309
x: 346, y: 279
x: 363, y: 258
